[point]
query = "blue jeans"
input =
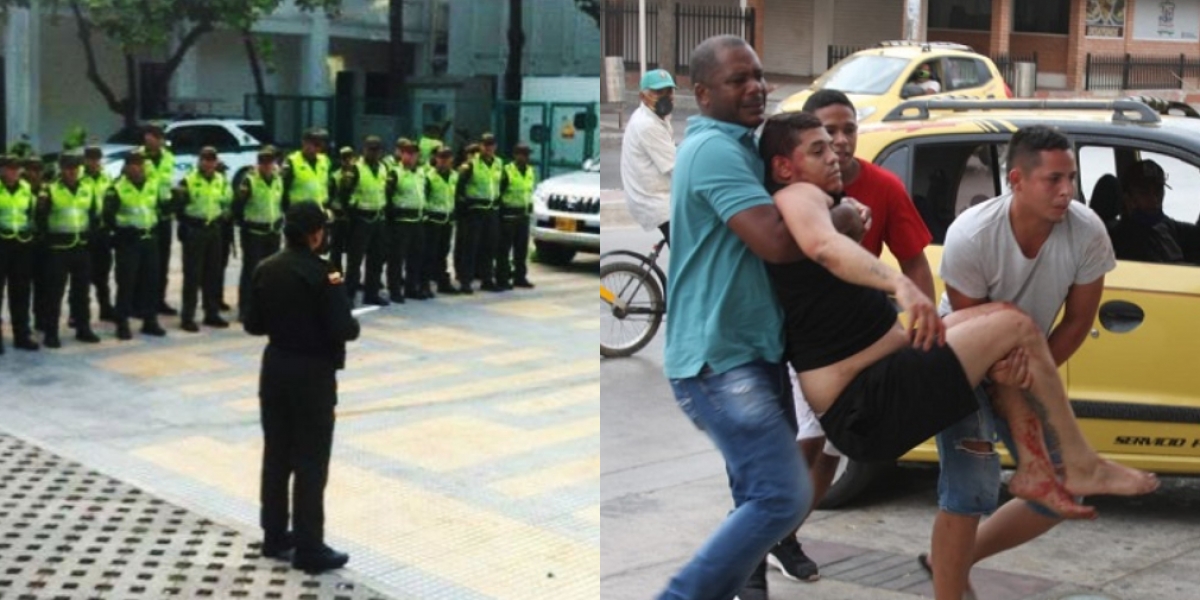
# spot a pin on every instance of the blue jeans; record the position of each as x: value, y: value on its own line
x: 745, y: 413
x: 969, y: 482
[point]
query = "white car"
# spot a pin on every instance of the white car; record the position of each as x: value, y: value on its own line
x: 237, y: 142
x: 566, y: 215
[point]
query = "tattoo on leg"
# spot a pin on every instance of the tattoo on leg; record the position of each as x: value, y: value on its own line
x: 1052, y: 442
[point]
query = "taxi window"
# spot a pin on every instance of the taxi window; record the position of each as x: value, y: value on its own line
x: 962, y: 73
x: 865, y: 74
x: 950, y: 178
x: 1180, y: 201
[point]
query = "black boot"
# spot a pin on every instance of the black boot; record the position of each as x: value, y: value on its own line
x: 278, y: 545
x: 320, y: 560
x: 87, y: 336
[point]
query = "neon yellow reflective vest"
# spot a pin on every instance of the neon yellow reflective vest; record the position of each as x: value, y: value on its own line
x: 441, y: 193
x: 519, y: 193
x: 160, y: 174
x: 485, y: 179
x: 264, y: 206
x: 410, y: 191
x: 70, y: 212
x: 309, y: 184
x: 207, y: 198
x: 138, y: 207
x: 99, y: 183
x: 369, y: 193
x: 15, y: 208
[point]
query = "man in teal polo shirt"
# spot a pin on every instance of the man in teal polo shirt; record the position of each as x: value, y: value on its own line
x: 725, y: 336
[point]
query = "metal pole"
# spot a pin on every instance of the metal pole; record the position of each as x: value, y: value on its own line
x: 912, y: 20
x: 642, y: 34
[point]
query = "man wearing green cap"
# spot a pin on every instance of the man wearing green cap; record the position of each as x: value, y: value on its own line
x: 131, y: 207
x: 204, y: 198
x: 258, y: 211
x: 648, y: 153
x: 16, y: 249
x: 479, y: 184
x: 406, y: 235
x: 516, y: 204
x: 160, y: 172
x: 100, y: 244
x: 67, y: 213
x: 306, y: 171
x: 441, y: 181
x: 364, y: 191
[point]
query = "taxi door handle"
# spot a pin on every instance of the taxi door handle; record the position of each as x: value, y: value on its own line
x: 1120, y: 316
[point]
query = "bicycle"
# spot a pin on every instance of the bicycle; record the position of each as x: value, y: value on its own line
x: 633, y: 300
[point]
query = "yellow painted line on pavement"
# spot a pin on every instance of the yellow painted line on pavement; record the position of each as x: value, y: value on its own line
x: 355, y: 360
x: 551, y: 478
x: 449, y: 443
x: 508, y: 384
x: 161, y: 362
x: 214, y: 386
x: 408, y: 374
x: 244, y: 405
x: 516, y: 356
x: 440, y: 535
x: 555, y: 400
x: 108, y: 343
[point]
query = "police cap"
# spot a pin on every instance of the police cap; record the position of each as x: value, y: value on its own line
x: 487, y: 139
x: 444, y: 151
x: 373, y: 141
x: 135, y: 157
x: 346, y: 152
x: 521, y: 148
x: 9, y: 161
x: 208, y: 152
x: 69, y: 161
x: 473, y: 147
x: 406, y: 144
x: 153, y: 129
x: 93, y: 152
x: 316, y: 134
x: 266, y: 154
x: 33, y: 162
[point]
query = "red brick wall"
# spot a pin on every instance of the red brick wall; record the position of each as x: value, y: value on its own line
x: 1051, y: 50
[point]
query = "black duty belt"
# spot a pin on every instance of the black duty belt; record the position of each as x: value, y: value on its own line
x: 437, y: 217
x: 406, y: 214
x: 366, y: 215
x: 200, y: 223
x: 262, y: 228
x: 134, y: 232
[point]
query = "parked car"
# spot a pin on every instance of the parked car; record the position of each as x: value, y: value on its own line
x: 878, y: 79
x: 237, y: 141
x: 566, y: 215
x: 1129, y: 383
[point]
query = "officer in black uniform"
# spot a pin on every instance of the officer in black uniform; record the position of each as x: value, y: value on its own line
x: 16, y: 249
x: 257, y: 209
x: 202, y: 200
x: 100, y: 243
x: 299, y: 302
x: 34, y: 174
x: 364, y: 191
x: 339, y: 230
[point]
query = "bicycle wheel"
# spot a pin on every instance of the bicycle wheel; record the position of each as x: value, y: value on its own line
x: 632, y: 314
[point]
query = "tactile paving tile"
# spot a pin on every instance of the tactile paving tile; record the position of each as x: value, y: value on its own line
x: 68, y: 532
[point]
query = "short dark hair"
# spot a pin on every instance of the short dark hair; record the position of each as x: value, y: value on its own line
x: 302, y: 220
x: 780, y: 136
x: 1027, y: 144
x: 826, y: 97
x: 705, y: 60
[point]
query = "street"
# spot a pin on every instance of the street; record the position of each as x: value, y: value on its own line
x: 664, y: 490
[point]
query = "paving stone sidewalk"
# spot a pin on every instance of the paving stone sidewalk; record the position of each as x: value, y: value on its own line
x: 70, y: 533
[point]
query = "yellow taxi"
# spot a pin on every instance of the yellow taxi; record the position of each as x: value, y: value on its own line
x: 878, y: 79
x: 1132, y: 382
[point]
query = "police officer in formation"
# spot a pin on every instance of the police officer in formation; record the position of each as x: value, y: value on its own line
x: 16, y: 249
x: 68, y: 212
x: 516, y: 205
x: 440, y: 187
x: 131, y: 209
x: 364, y: 190
x: 203, y: 199
x: 306, y: 171
x: 339, y: 229
x: 159, y: 167
x: 258, y: 212
x: 479, y: 185
x: 100, y: 245
x: 298, y: 301
x: 406, y: 227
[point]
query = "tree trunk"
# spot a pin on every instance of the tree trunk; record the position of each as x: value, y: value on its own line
x: 185, y: 44
x: 124, y: 107
x: 260, y: 88
x: 396, y: 60
x: 512, y: 73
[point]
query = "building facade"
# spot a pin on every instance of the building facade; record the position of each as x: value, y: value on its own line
x: 450, y: 44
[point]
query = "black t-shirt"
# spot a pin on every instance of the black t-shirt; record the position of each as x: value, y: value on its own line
x: 827, y: 319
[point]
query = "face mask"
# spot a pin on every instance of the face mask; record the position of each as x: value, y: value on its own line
x: 663, y: 106
x: 923, y: 74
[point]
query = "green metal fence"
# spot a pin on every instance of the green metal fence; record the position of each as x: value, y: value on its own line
x: 561, y: 135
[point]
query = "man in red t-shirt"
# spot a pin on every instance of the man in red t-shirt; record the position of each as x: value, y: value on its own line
x: 895, y: 222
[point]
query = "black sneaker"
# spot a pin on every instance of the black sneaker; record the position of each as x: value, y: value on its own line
x: 52, y: 340
x: 216, y: 321
x: 87, y: 336
x: 319, y: 561
x: 167, y: 310
x: 153, y: 329
x: 755, y: 588
x: 789, y: 558
x: 190, y: 326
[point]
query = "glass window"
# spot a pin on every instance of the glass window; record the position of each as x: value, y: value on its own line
x: 963, y: 73
x: 897, y: 162
x: 1180, y: 201
x: 1042, y: 16
x: 190, y: 139
x: 258, y: 132
x: 864, y: 74
x: 950, y: 178
x: 973, y: 15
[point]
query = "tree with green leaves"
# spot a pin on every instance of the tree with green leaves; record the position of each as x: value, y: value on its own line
x: 139, y: 27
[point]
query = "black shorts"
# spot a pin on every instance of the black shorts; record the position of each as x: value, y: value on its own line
x: 899, y: 402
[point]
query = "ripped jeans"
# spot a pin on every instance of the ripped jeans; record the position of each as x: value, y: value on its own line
x: 969, y: 482
x: 747, y: 412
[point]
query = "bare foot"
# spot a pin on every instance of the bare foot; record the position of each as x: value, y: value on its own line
x: 1047, y: 491
x: 1106, y: 477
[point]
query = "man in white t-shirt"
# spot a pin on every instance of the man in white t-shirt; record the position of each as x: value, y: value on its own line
x: 648, y: 153
x: 1043, y: 251
x: 923, y: 78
